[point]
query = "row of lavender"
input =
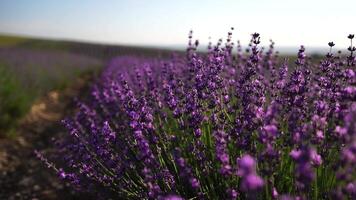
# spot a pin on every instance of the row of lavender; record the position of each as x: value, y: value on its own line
x: 220, y: 125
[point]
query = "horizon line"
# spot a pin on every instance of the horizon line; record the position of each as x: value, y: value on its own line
x: 287, y: 49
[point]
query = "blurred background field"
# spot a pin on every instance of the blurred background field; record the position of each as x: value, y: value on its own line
x: 30, y: 68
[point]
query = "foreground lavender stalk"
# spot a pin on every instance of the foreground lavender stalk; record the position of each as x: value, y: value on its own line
x: 217, y: 126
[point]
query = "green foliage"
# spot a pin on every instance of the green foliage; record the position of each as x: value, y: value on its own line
x: 7, y: 41
x: 15, y: 101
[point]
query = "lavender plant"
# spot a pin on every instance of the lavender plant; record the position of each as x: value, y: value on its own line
x: 220, y: 125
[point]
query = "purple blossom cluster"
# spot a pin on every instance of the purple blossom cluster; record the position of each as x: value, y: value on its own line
x: 217, y: 125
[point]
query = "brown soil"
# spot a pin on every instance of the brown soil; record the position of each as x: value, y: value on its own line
x: 22, y: 175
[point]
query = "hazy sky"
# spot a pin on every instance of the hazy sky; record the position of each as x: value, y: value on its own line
x: 165, y: 22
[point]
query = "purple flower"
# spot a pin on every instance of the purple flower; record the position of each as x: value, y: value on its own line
x: 194, y: 183
x: 172, y: 197
x: 315, y: 158
x: 252, y: 182
x: 197, y: 132
x: 232, y: 193
x: 275, y: 193
x: 62, y: 174
x: 246, y: 165
x: 247, y: 170
x: 271, y: 129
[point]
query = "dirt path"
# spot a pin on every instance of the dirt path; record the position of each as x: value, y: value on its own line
x: 22, y: 175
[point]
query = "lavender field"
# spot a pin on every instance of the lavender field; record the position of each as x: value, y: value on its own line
x: 227, y: 124
x: 231, y: 122
x: 177, y: 100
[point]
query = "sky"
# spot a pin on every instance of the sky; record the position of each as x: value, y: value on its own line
x: 166, y: 22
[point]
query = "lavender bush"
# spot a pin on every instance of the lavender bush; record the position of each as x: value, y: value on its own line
x: 220, y: 125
